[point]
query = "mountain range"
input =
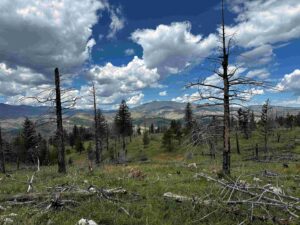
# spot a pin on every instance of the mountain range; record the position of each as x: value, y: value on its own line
x: 12, y: 116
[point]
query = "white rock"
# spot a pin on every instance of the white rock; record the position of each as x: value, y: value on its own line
x: 2, y: 208
x: 256, y: 179
x: 13, y: 215
x: 83, y: 221
x: 192, y: 165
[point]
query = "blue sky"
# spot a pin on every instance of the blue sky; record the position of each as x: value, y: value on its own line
x: 142, y: 51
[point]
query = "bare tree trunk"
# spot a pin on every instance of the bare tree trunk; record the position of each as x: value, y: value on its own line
x: 124, y: 153
x: 60, y: 133
x: 2, y: 158
x: 256, y: 151
x: 97, y: 142
x: 226, y: 131
x: 107, y: 140
x: 237, y: 143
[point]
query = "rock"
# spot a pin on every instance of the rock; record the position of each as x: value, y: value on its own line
x: 256, y: 179
x: 2, y: 208
x: 192, y: 166
x: 83, y: 221
x: 285, y: 165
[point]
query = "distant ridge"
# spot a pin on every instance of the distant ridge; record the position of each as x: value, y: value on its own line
x: 161, y: 109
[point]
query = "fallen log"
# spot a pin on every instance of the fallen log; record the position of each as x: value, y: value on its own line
x: 181, y: 198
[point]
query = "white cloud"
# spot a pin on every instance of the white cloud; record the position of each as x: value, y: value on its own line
x: 259, y: 73
x: 266, y: 22
x: 258, y: 56
x: 187, y: 98
x: 42, y: 35
x: 290, y: 82
x: 129, y: 52
x: 117, y: 21
x: 121, y: 82
x: 163, y: 93
x: 172, y: 48
x: 136, y: 99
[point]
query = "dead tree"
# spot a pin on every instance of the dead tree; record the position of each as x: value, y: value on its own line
x: 97, y: 136
x: 231, y: 88
x: 59, y: 101
x: 59, y: 123
x: 2, y: 158
x: 266, y: 125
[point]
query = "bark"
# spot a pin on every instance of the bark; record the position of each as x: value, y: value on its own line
x: 124, y: 153
x: 97, y: 142
x: 237, y: 143
x: 2, y: 158
x: 60, y: 133
x: 256, y: 151
x: 226, y: 129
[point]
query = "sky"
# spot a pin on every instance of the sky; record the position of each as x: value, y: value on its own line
x: 148, y: 50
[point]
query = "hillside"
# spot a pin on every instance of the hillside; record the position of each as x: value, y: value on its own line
x: 160, y: 112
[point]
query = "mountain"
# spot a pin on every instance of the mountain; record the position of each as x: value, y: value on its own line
x: 159, y: 112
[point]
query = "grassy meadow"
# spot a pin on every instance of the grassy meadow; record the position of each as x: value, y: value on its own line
x: 159, y: 172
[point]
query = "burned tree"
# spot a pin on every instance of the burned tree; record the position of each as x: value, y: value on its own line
x: 59, y: 124
x: 188, y: 118
x: 96, y: 123
x: 230, y: 89
x: 59, y: 100
x: 265, y: 124
x: 2, y: 157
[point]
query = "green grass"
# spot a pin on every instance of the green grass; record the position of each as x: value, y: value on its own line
x: 164, y: 172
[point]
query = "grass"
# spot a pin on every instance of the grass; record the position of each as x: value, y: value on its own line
x: 165, y: 172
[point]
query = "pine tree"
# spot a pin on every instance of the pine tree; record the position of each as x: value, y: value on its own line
x: 188, y: 118
x: 265, y: 123
x: 146, y: 139
x: 152, y: 128
x: 123, y: 124
x: 252, y: 122
x: 167, y: 140
x: 243, y: 121
x: 79, y: 146
x: 30, y: 139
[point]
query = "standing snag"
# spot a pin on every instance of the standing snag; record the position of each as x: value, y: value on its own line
x: 59, y: 123
x: 231, y: 88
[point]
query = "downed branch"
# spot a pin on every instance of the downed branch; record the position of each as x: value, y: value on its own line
x: 54, y: 197
x: 181, y: 198
x: 247, y: 194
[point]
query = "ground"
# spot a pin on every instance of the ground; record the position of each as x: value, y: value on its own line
x: 147, y: 181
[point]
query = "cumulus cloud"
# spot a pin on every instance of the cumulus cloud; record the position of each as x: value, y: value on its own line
x: 172, y: 48
x: 290, y: 82
x: 187, y: 98
x: 41, y: 35
x: 163, y: 93
x: 136, y: 99
x: 261, y: 22
x: 118, y: 82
